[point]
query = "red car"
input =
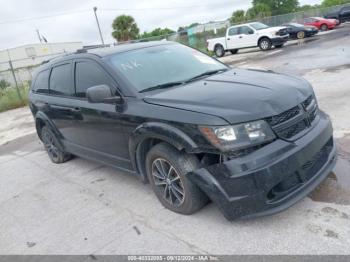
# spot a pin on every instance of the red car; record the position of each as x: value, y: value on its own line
x: 322, y: 24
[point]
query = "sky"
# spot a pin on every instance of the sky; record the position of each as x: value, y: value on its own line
x: 74, y: 20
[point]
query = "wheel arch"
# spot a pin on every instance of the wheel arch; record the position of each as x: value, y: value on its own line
x: 262, y: 37
x: 145, y: 136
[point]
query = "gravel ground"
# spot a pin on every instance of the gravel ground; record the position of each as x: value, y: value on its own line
x: 81, y: 207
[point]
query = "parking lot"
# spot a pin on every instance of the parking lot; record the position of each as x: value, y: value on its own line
x: 81, y: 207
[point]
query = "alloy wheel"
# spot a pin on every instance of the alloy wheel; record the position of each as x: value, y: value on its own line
x: 264, y: 44
x: 168, y: 181
x: 50, y: 146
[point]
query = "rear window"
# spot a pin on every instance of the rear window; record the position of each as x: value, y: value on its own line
x: 41, y: 84
x: 61, y: 80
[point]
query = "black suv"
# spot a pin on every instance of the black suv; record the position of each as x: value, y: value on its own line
x: 343, y: 14
x: 253, y: 142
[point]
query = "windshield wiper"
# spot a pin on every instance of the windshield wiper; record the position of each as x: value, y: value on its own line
x: 162, y: 86
x: 207, y: 73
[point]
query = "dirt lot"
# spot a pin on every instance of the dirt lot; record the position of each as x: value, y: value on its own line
x: 81, y: 207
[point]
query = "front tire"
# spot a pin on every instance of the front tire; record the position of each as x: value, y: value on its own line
x: 167, y: 170
x: 52, y: 146
x: 265, y: 44
x: 219, y: 51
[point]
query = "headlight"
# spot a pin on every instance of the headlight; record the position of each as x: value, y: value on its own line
x: 238, y: 136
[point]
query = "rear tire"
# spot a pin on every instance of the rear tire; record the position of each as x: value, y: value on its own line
x: 265, y: 44
x: 219, y: 51
x: 167, y: 170
x: 52, y: 146
x: 324, y: 27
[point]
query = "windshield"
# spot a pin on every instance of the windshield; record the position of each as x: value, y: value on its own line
x: 159, y: 65
x: 259, y: 26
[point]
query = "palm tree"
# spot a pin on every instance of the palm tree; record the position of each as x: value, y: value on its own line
x: 238, y: 17
x: 125, y: 28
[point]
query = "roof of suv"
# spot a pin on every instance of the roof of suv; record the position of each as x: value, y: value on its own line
x: 102, y: 52
x: 125, y: 47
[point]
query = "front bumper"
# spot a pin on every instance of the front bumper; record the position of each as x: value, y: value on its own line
x: 279, y: 40
x: 272, y: 178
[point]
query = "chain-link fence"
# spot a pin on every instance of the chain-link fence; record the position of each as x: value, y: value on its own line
x: 197, y: 36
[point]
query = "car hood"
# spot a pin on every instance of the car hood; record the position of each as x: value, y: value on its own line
x: 238, y: 95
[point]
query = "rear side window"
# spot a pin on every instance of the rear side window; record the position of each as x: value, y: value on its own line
x: 233, y: 31
x: 88, y: 74
x: 41, y: 84
x: 61, y: 80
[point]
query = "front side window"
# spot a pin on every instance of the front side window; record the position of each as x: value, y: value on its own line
x: 61, y: 80
x: 245, y: 30
x: 233, y: 31
x: 88, y: 74
x: 41, y: 84
x: 164, y: 64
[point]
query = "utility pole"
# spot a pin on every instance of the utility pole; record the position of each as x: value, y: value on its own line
x: 37, y: 31
x: 14, y: 75
x: 98, y: 25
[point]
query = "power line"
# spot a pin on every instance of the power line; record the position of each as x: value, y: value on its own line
x: 42, y: 17
x: 155, y: 8
x: 101, y: 9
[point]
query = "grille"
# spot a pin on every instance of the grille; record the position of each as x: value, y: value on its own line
x: 294, y: 121
x: 275, y: 120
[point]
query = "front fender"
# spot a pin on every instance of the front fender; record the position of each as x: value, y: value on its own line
x: 161, y: 131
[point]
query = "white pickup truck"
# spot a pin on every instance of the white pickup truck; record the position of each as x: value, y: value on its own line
x: 248, y: 35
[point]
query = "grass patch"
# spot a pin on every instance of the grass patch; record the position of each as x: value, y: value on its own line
x: 9, y: 98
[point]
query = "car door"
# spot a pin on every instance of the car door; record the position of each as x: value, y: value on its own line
x: 247, y: 37
x: 61, y: 109
x: 99, y: 131
x: 232, y: 38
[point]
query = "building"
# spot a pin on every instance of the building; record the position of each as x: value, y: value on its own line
x: 25, y: 58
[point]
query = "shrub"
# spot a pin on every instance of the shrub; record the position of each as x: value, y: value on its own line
x: 9, y: 98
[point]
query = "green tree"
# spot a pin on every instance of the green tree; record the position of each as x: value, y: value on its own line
x: 238, y: 16
x: 193, y: 25
x: 4, y: 84
x: 125, y: 28
x: 278, y: 7
x: 157, y: 32
x: 258, y: 11
x: 328, y: 3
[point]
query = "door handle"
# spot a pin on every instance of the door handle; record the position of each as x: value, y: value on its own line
x: 241, y: 37
x: 67, y: 108
x: 75, y: 109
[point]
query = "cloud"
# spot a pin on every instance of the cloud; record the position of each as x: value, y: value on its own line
x: 81, y: 25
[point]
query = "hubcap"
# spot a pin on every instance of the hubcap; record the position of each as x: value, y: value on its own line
x: 168, y: 181
x: 50, y: 146
x: 264, y: 44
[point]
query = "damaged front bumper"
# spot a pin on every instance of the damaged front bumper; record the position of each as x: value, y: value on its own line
x: 272, y: 178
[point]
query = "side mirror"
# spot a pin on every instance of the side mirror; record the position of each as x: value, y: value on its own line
x: 251, y: 32
x: 102, y: 94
